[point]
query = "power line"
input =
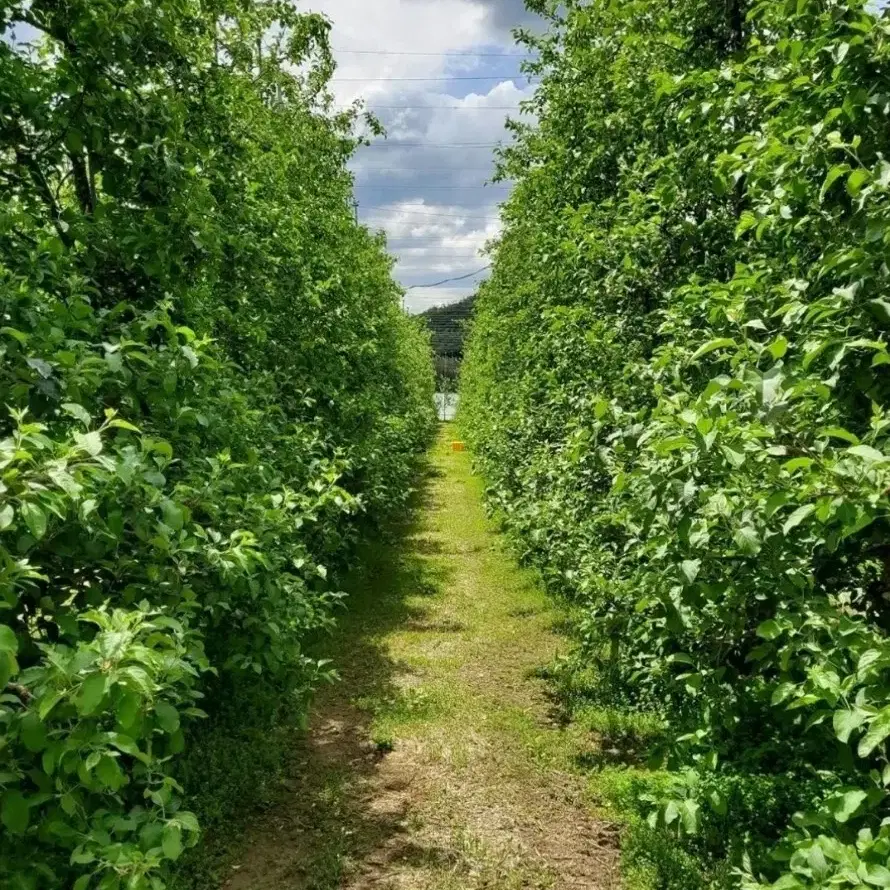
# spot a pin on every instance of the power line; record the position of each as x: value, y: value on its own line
x: 467, y: 252
x: 383, y: 207
x: 400, y: 169
x: 384, y: 52
x: 449, y: 280
x: 432, y: 144
x: 438, y: 188
x: 437, y: 107
x: 427, y: 79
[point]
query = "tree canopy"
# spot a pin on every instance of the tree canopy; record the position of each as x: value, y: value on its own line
x: 677, y: 386
x: 207, y: 383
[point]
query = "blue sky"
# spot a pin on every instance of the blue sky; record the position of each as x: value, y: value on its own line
x: 442, y: 76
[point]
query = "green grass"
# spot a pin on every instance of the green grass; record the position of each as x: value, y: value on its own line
x: 436, y: 761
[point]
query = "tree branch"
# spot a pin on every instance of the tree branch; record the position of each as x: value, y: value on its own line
x: 28, y: 163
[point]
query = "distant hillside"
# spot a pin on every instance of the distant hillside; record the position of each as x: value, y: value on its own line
x: 448, y: 326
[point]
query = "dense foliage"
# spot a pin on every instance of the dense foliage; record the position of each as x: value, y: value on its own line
x: 206, y: 383
x: 677, y: 385
x: 448, y: 325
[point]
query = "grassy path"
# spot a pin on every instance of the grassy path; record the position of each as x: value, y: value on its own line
x: 434, y: 765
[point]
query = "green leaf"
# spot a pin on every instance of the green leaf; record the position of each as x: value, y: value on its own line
x: 868, y: 660
x: 837, y: 432
x: 7, y: 514
x: 681, y: 658
x: 747, y: 540
x: 797, y: 517
x: 690, y: 568
x: 168, y: 716
x: 734, y: 455
x: 109, y: 773
x: 91, y: 443
x: 92, y: 691
x: 769, y: 630
x: 15, y: 812
x: 124, y: 743
x: 776, y: 501
x: 846, y: 805
x: 713, y: 346
x: 119, y: 424
x: 747, y: 221
x: 16, y: 334
x: 33, y: 732
x: 34, y: 518
x: 9, y: 667
x: 77, y: 411
x: 878, y: 731
x: 798, y: 463
x: 127, y: 709
x: 874, y: 874
x: 831, y: 177
x: 778, y: 347
x: 867, y: 453
x: 48, y: 702
x: 856, y: 181
x: 8, y: 640
x: 880, y: 308
x: 173, y: 515
x: 847, y: 722
x: 171, y: 843
x: 718, y: 803
x: 782, y: 692
x: 689, y: 814
x: 188, y: 821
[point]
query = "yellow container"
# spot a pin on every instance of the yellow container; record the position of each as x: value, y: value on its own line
x: 458, y: 446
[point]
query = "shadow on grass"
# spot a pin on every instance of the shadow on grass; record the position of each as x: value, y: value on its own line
x: 342, y: 806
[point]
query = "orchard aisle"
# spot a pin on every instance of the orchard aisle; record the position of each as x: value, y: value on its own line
x: 433, y: 765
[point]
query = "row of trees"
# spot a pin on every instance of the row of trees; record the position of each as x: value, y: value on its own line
x: 677, y: 384
x: 206, y: 382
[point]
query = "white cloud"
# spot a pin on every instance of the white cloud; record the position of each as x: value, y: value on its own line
x: 430, y: 196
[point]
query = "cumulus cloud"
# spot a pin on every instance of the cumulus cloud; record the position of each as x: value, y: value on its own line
x: 442, y: 76
x: 505, y: 15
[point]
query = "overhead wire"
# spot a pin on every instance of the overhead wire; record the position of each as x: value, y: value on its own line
x: 515, y: 76
x: 400, y: 169
x: 388, y: 144
x: 438, y: 188
x: 444, y: 249
x: 385, y: 52
x: 449, y: 280
x: 390, y: 210
x: 378, y: 210
x: 436, y: 107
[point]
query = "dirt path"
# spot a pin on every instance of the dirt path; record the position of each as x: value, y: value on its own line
x: 434, y: 765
